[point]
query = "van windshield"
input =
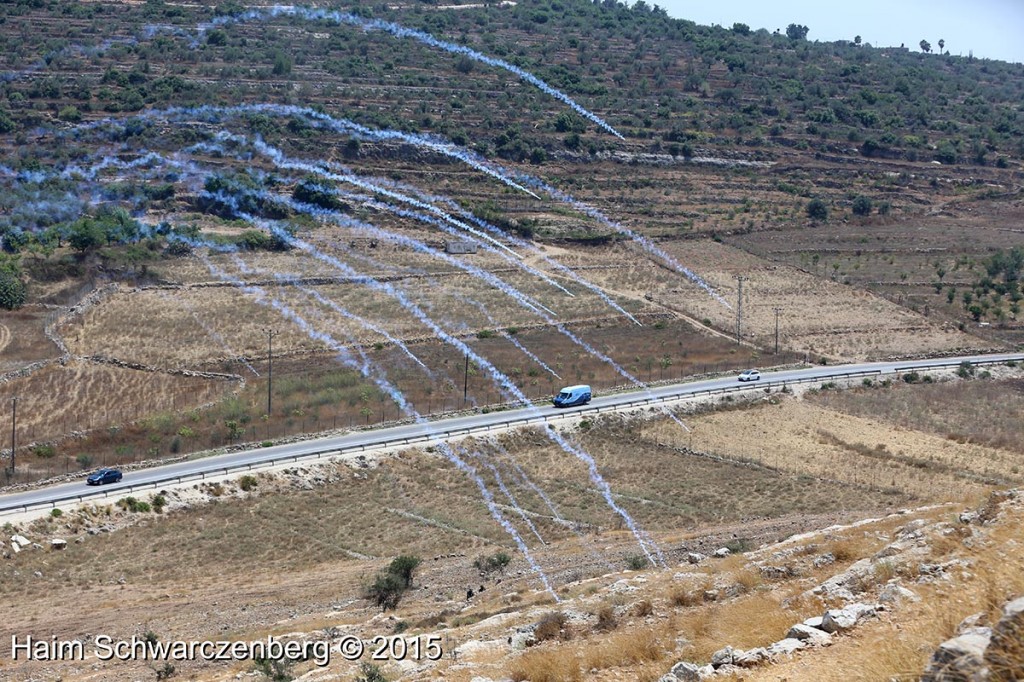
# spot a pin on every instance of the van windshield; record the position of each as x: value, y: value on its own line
x: 564, y: 394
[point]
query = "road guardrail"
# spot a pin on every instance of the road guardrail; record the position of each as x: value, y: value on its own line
x: 389, y: 443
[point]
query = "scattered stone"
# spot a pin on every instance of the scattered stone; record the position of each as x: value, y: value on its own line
x: 695, y: 557
x: 706, y: 672
x: 668, y: 677
x: 684, y: 671
x: 824, y: 560
x: 710, y: 595
x: 961, y: 658
x: 722, y: 552
x: 815, y: 622
x: 1005, y: 654
x: 838, y: 620
x: 971, y: 622
x: 786, y: 647
x: 775, y: 572
x: 813, y: 636
x: 750, y: 659
x: 58, y: 543
x: 895, y: 593
x: 969, y: 517
x: 722, y: 657
x: 20, y: 540
x: 38, y: 574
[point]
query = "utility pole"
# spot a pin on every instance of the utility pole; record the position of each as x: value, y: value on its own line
x: 270, y: 365
x: 777, y: 311
x: 14, y: 429
x: 465, y: 382
x: 740, y: 279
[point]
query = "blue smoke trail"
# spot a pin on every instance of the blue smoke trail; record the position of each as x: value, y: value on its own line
x: 506, y: 492
x: 510, y: 461
x: 216, y: 115
x: 503, y: 381
x: 362, y: 321
x: 332, y: 215
x: 515, y: 342
x: 399, y: 31
x: 508, y: 386
x: 260, y: 297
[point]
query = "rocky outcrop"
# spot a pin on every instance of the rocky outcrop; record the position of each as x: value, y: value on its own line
x: 1005, y: 653
x: 961, y: 659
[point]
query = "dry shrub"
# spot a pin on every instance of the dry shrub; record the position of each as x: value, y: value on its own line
x: 643, y: 608
x: 682, y: 596
x: 749, y: 579
x: 624, y: 648
x: 549, y: 665
x: 552, y: 626
x: 751, y: 621
x: 606, y: 620
x: 853, y: 548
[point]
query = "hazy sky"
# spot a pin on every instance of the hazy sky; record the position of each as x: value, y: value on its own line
x: 991, y: 28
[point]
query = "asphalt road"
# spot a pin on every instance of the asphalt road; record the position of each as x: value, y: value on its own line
x: 158, y: 476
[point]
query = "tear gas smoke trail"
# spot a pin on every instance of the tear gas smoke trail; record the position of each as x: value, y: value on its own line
x: 506, y: 492
x: 345, y: 221
x: 260, y: 296
x: 334, y: 216
x: 500, y: 379
x: 209, y: 330
x: 216, y: 114
x: 365, y: 323
x: 314, y: 14
x: 282, y: 161
x: 595, y: 475
x: 515, y: 342
x: 643, y: 241
x: 510, y: 461
x: 439, y: 221
x: 442, y: 225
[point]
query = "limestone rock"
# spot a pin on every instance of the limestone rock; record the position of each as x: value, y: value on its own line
x: 695, y: 557
x: 58, y: 543
x: 751, y: 658
x: 839, y: 620
x: 1005, y: 655
x: 786, y: 647
x: 815, y: 622
x: 895, y: 593
x: 825, y: 559
x: 722, y: 657
x: 684, y: 671
x: 960, y: 658
x: 721, y: 552
x: 813, y: 636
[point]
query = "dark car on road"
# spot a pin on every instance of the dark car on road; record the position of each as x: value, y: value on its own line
x: 104, y: 476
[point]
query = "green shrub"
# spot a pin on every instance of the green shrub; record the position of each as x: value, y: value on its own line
x: 496, y: 562
x: 403, y: 567
x: 636, y: 562
x: 247, y: 482
x: 56, y: 513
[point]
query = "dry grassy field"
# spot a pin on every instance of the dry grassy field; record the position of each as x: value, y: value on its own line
x: 317, y: 534
x: 914, y: 262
